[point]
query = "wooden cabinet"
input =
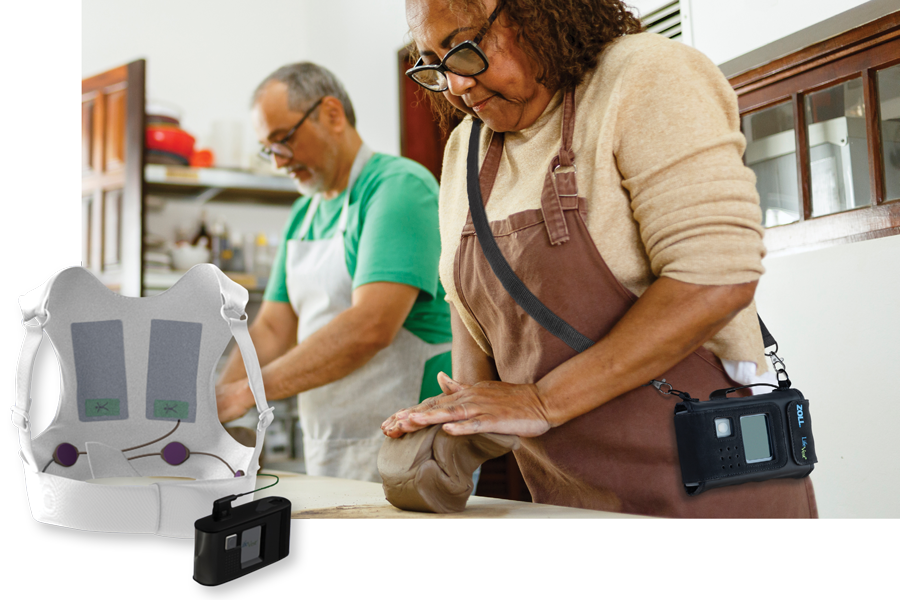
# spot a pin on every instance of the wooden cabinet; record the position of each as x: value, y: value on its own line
x: 112, y: 160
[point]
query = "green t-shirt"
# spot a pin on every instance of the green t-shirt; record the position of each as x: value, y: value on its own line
x: 392, y: 235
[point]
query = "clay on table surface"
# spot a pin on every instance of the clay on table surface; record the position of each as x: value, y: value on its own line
x: 431, y: 471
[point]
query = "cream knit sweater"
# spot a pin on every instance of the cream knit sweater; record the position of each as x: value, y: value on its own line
x: 658, y: 154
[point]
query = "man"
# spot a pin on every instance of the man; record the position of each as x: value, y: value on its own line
x: 353, y: 318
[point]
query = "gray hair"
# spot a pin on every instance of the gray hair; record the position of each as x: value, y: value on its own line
x: 307, y: 82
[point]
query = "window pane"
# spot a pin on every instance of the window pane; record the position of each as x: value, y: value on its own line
x: 889, y: 95
x: 771, y: 153
x: 838, y: 154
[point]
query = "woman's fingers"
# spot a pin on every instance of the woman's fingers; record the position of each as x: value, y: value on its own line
x: 411, y: 419
x: 488, y: 407
x: 448, y: 386
x: 467, y: 427
x: 391, y: 423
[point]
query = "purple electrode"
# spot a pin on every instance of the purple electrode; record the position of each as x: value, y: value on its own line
x: 175, y: 453
x: 65, y: 454
x: 238, y: 473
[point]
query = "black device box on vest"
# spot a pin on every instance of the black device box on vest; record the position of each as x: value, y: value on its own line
x: 235, y: 541
x: 727, y: 441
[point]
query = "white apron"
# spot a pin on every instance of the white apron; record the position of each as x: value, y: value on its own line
x: 341, y: 421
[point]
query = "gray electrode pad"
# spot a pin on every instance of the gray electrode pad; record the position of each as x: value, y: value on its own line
x: 172, y: 370
x: 98, y: 351
x: 137, y: 399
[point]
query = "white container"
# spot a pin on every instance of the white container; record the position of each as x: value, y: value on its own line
x: 226, y: 140
x: 184, y: 256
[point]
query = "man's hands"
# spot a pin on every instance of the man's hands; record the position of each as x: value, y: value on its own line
x: 489, y: 406
x: 337, y: 349
x: 233, y: 400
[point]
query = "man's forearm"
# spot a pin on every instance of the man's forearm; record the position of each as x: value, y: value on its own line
x: 339, y: 348
x: 268, y: 348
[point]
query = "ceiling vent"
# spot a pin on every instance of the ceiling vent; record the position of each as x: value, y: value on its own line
x: 665, y: 20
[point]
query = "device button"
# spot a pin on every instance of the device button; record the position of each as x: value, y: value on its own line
x: 231, y: 542
x: 723, y: 427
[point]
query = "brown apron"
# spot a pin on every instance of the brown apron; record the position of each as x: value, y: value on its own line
x: 621, y: 456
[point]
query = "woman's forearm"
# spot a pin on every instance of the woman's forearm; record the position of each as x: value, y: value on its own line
x: 668, y: 322
x: 470, y: 363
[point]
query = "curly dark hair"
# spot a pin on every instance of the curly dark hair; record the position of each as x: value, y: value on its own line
x: 561, y: 38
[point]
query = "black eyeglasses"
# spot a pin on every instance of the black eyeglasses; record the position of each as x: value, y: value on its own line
x: 281, y: 148
x: 465, y: 59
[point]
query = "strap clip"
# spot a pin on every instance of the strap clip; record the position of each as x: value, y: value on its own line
x: 232, y: 312
x: 266, y: 417
x: 781, y: 374
x: 669, y: 391
x: 20, y: 419
x: 659, y: 385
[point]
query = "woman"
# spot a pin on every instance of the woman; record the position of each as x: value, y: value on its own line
x: 655, y: 256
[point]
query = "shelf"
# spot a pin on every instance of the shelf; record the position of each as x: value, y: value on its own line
x: 159, y: 281
x: 219, y: 184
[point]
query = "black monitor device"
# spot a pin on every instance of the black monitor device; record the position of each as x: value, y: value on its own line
x: 234, y: 541
x: 728, y: 441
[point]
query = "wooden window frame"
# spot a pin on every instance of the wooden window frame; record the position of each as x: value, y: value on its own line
x: 859, y: 52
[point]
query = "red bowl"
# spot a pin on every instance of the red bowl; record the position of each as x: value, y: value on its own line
x: 169, y: 139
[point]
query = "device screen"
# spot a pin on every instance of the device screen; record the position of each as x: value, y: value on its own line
x: 755, y: 432
x: 251, y: 540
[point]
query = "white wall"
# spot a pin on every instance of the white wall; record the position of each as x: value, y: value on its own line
x: 207, y: 56
x: 836, y: 316
x: 359, y: 40
x: 725, y: 29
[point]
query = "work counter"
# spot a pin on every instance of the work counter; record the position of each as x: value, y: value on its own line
x: 331, y: 498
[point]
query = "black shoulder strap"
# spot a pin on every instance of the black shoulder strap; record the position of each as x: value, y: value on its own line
x: 511, y: 282
x: 768, y: 338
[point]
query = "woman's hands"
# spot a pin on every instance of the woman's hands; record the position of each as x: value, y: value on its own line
x: 668, y: 322
x: 486, y: 407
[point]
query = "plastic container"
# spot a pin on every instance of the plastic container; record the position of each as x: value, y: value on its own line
x: 170, y: 139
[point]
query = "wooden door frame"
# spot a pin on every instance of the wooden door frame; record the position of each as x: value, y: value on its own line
x: 128, y: 279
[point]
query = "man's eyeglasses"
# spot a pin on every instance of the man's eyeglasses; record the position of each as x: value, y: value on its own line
x: 281, y: 148
x: 465, y: 59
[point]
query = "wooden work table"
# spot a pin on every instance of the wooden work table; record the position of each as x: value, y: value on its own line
x: 331, y: 498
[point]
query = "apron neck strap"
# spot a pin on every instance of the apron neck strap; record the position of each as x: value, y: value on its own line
x: 491, y: 165
x: 310, y: 213
x: 362, y: 157
x: 560, y: 187
x: 566, y: 155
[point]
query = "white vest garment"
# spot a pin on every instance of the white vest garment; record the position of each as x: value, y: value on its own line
x: 137, y: 400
